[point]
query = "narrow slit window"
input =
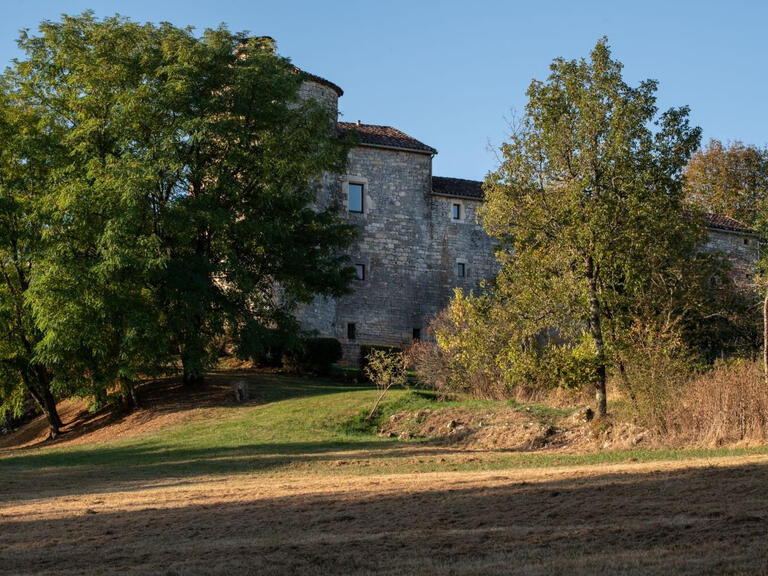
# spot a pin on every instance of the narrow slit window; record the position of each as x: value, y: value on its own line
x: 461, y: 270
x: 417, y: 334
x: 457, y: 211
x: 351, y: 331
x: 356, y: 193
x: 360, y: 269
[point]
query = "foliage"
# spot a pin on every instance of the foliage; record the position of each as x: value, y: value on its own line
x: 167, y: 184
x: 313, y: 356
x: 27, y: 146
x: 385, y: 370
x: 729, y: 179
x: 365, y: 352
x: 587, y: 207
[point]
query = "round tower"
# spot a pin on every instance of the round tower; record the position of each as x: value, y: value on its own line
x: 322, y: 90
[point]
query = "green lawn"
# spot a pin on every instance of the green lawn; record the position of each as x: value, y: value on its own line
x: 305, y: 426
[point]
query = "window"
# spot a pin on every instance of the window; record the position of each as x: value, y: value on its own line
x: 360, y: 269
x: 417, y: 334
x: 356, y: 193
x: 461, y: 270
x: 746, y: 241
x: 351, y: 331
x: 457, y: 211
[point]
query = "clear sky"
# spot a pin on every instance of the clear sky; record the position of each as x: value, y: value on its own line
x: 452, y: 73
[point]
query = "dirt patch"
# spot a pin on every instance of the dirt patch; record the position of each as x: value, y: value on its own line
x: 513, y: 429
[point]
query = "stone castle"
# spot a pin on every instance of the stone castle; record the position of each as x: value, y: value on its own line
x: 419, y: 238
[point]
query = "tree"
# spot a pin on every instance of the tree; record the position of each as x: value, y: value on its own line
x: 179, y: 200
x: 25, y: 147
x: 587, y: 205
x: 385, y: 369
x: 728, y: 179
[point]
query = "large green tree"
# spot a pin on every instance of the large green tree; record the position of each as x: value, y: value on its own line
x: 587, y: 206
x: 26, y: 150
x: 181, y: 201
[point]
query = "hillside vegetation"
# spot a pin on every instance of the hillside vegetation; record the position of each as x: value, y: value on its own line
x: 296, y: 481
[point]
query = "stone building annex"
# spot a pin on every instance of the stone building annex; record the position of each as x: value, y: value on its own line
x: 418, y: 237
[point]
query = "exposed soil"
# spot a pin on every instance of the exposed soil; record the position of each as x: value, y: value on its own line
x: 513, y: 429
x: 695, y: 517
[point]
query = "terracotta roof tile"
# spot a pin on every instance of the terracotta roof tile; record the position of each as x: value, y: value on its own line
x: 720, y: 222
x: 384, y: 137
x: 457, y: 187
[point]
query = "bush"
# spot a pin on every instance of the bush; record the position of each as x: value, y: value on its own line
x: 365, y: 353
x: 314, y: 356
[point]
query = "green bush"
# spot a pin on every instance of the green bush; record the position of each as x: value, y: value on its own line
x: 313, y: 356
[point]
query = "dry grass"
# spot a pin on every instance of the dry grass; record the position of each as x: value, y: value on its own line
x: 724, y: 406
x: 198, y: 485
x: 695, y: 517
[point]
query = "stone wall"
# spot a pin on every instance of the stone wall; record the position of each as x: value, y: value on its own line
x: 409, y: 245
x: 741, y: 249
x: 326, y: 95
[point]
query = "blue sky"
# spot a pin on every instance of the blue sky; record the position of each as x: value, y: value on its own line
x: 452, y: 73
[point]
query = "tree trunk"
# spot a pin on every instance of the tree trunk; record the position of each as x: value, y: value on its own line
x: 45, y: 401
x: 191, y: 373
x: 765, y: 337
x: 596, y: 331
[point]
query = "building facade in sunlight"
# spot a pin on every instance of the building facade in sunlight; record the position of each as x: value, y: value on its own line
x: 419, y: 237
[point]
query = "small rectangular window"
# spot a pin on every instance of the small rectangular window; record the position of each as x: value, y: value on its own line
x: 355, y: 197
x: 360, y: 269
x: 417, y: 334
x: 351, y: 331
x: 457, y: 211
x: 461, y: 270
x: 746, y: 241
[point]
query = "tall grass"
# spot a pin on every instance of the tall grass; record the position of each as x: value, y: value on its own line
x: 725, y: 405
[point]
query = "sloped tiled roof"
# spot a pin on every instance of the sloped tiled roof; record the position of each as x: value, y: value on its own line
x: 461, y: 188
x: 384, y: 137
x: 458, y: 187
x: 720, y: 222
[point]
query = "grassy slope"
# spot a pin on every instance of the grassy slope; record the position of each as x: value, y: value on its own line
x: 298, y: 426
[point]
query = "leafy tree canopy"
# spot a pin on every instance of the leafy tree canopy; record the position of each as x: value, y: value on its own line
x: 729, y: 179
x: 180, y: 174
x: 588, y: 207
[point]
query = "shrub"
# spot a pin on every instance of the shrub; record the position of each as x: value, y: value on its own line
x: 385, y: 369
x: 365, y: 353
x: 314, y: 356
x: 654, y: 370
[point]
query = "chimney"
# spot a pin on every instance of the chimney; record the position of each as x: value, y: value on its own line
x: 358, y: 122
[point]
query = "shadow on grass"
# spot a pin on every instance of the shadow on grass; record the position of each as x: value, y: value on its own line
x: 169, y: 395
x: 686, y: 522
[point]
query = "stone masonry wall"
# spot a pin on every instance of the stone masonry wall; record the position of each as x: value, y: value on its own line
x: 410, y: 247
x: 741, y: 250
x: 323, y: 94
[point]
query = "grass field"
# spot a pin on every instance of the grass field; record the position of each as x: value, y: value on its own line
x: 293, y: 482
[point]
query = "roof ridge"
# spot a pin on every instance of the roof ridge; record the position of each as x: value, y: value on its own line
x: 381, y: 136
